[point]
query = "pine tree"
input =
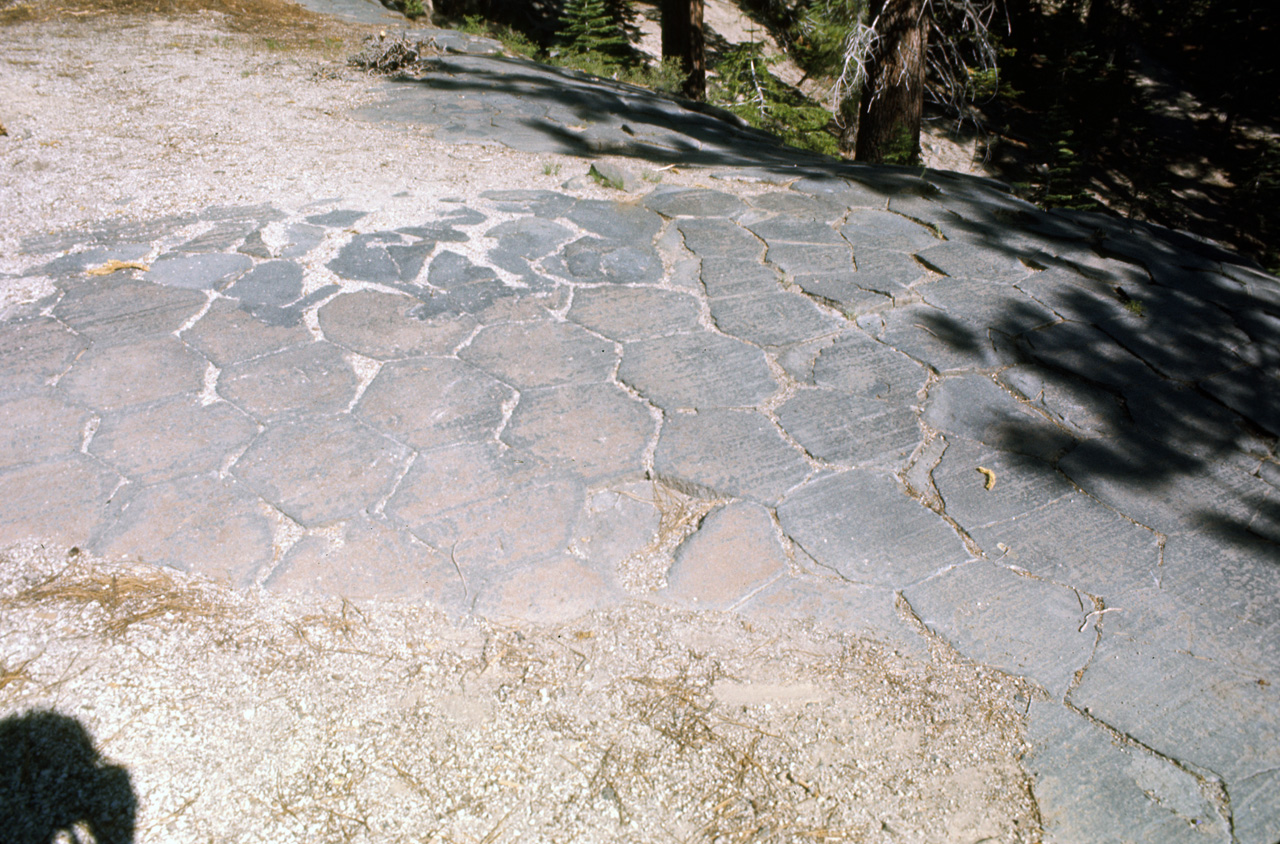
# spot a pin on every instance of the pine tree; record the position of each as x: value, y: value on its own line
x: 589, y: 27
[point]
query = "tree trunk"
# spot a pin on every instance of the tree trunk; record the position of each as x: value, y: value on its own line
x: 893, y: 95
x: 682, y: 39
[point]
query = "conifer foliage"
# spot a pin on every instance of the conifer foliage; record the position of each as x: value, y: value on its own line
x: 589, y: 26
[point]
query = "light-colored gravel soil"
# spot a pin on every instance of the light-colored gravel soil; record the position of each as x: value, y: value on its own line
x: 248, y: 717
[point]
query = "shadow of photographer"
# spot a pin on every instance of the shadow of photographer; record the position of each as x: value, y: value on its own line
x: 53, y: 780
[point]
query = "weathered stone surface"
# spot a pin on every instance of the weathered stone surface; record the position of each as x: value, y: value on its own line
x: 935, y: 338
x: 720, y: 238
x: 797, y: 259
x: 1027, y: 627
x: 845, y: 429
x: 116, y: 376
x: 541, y: 354
x: 197, y: 272
x: 382, y: 326
x: 728, y: 453
x: 733, y: 553
x: 113, y: 310
x: 322, y: 468
x: 365, y: 258
x: 540, y: 203
x: 553, y: 591
x: 863, y: 526
x: 696, y: 370
x: 1162, y: 688
x: 596, y: 259
x: 220, y: 237
x: 1089, y: 787
x: 615, y: 523
x: 959, y: 259
x: 33, y: 353
x: 884, y: 230
x: 693, y: 202
x: 269, y: 283
x: 312, y: 377
x: 858, y: 365
x: 523, y: 240
x: 62, y: 500
x: 228, y: 334
x: 822, y: 209
x: 975, y: 407
x: 841, y: 291
x: 614, y: 221
x: 430, y: 402
x: 207, y: 525
x: 488, y: 507
x: 38, y: 426
x: 724, y: 277
x: 303, y: 237
x: 1076, y: 405
x: 595, y: 430
x: 339, y: 219
x: 1033, y: 518
x: 1170, y: 491
x: 171, y: 438
x: 634, y: 313
x: 369, y: 559
x: 773, y: 319
x: 787, y: 229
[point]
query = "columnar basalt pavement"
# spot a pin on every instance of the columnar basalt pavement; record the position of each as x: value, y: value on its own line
x: 858, y: 394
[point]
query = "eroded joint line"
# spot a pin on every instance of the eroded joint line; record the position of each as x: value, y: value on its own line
x: 91, y: 426
x: 927, y: 226
x: 366, y: 369
x: 209, y: 392
x: 747, y: 598
x: 380, y: 505
x: 285, y: 533
x: 508, y: 408
x: 209, y: 297
x: 1211, y: 784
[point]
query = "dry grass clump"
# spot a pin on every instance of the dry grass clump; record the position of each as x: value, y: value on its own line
x: 125, y: 595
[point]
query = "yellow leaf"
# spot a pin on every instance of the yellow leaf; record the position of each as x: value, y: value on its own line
x: 111, y: 266
x: 990, y: 476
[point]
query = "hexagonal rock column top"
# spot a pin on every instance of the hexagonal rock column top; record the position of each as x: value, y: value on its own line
x: 110, y: 311
x: 321, y: 469
x: 430, y: 402
x: 213, y: 526
x: 1022, y: 625
x: 31, y: 353
x: 310, y: 378
x: 595, y: 430
x: 541, y: 354
x: 491, y: 507
x: 697, y: 370
x: 109, y: 377
x: 858, y: 365
x: 63, y: 500
x: 39, y: 426
x: 369, y: 559
x: 728, y: 453
x: 844, y: 429
x: 381, y: 325
x: 862, y: 525
x: 172, y: 438
x: 733, y: 554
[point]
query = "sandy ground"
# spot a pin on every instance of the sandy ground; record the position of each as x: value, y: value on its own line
x: 252, y: 717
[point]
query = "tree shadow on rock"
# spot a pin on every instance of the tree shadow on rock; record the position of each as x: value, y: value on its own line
x: 53, y: 780
x: 1161, y: 360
